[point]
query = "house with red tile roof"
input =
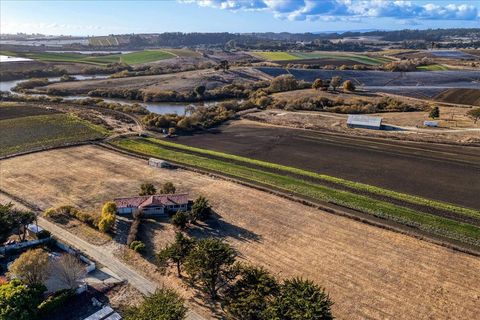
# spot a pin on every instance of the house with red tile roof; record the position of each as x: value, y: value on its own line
x: 153, y: 205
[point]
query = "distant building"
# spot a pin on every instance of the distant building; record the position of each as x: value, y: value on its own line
x: 159, y: 163
x: 430, y: 123
x: 153, y: 205
x: 366, y: 122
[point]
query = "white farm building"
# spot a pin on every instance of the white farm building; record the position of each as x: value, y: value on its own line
x: 366, y: 122
x: 159, y: 163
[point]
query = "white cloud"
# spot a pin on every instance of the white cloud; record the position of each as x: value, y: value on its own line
x: 355, y: 9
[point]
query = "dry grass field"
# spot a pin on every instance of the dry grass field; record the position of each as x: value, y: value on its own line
x: 182, y: 81
x: 370, y: 273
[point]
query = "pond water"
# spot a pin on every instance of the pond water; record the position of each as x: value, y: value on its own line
x: 8, y: 85
x: 4, y: 59
x: 155, y: 107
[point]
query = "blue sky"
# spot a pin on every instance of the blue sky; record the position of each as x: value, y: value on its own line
x: 106, y: 17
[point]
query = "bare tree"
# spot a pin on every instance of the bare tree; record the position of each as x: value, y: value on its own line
x: 69, y: 270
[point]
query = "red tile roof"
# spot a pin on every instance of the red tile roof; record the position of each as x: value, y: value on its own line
x: 157, y: 200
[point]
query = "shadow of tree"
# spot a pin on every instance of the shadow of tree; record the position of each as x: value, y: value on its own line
x: 122, y: 227
x: 217, y: 227
x: 146, y: 233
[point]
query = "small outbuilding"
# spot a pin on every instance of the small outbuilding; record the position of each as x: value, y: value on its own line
x: 430, y: 124
x: 159, y: 163
x: 365, y: 122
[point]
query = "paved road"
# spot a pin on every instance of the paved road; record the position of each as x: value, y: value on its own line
x: 104, y: 256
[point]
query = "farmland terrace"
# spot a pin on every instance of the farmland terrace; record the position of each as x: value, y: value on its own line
x: 426, y: 170
x: 416, y: 83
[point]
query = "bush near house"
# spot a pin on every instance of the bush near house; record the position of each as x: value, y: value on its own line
x: 108, y: 217
x: 137, y: 246
x: 56, y: 300
x: 62, y: 213
x: 19, y: 301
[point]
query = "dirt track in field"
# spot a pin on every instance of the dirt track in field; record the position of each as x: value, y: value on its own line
x: 370, y: 273
x: 441, y: 172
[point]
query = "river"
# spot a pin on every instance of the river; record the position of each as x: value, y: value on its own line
x: 155, y: 107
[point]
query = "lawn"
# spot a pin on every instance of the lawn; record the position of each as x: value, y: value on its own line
x: 278, y: 56
x: 145, y: 56
x: 128, y: 58
x: 434, y: 67
x: 43, y: 131
x: 427, y: 222
x: 275, y: 56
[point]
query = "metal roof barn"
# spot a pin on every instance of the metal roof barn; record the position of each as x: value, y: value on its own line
x: 360, y: 121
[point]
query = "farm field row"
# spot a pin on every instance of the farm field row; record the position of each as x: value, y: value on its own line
x: 359, y: 58
x: 355, y: 262
x: 442, y: 79
x: 440, y: 205
x: 128, y: 58
x: 422, y: 169
x: 436, y: 225
x: 417, y: 84
x: 27, y: 133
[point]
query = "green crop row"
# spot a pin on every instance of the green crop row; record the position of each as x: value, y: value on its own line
x: 437, y: 225
x: 44, y: 131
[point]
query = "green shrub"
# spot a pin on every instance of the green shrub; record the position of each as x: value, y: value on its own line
x: 54, y: 301
x: 137, y: 246
x: 180, y: 219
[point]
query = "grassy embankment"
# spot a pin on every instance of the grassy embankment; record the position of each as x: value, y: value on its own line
x: 44, y: 131
x: 359, y: 58
x: 128, y: 58
x: 427, y: 222
x: 434, y: 67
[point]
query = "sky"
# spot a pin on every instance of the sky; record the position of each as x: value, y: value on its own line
x: 84, y: 18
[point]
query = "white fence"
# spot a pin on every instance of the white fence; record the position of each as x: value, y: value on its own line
x: 90, y: 264
x: 23, y: 245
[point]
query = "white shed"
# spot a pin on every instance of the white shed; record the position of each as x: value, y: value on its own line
x: 430, y: 123
x: 366, y: 122
x: 158, y: 163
